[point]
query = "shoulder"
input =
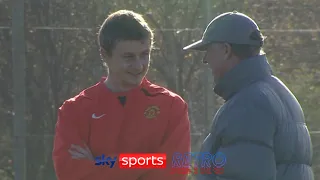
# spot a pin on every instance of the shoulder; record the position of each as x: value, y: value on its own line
x: 167, y: 95
x: 83, y: 99
x: 256, y: 103
x: 259, y: 95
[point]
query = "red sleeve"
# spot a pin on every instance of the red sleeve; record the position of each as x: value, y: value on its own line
x: 177, y: 139
x: 72, y: 129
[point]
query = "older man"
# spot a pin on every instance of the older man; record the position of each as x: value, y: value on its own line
x: 261, y: 127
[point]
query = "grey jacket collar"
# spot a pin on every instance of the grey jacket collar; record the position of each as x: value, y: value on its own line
x: 245, y: 73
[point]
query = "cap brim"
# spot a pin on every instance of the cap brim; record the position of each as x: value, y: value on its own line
x: 198, y: 46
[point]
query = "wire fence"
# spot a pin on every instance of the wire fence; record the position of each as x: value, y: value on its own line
x: 177, y: 30
x: 164, y: 29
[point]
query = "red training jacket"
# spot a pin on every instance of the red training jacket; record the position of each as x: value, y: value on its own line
x: 150, y: 119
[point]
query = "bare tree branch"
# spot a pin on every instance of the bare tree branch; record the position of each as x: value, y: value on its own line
x: 193, y: 19
x: 191, y: 71
x: 154, y: 22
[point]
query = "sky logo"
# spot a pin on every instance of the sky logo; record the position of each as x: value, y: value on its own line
x: 105, y: 161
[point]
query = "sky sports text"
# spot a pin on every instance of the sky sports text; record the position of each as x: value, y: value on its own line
x: 152, y: 160
x: 205, y: 163
x: 133, y: 161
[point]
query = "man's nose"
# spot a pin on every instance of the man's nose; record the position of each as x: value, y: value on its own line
x: 138, y: 63
x: 204, y: 59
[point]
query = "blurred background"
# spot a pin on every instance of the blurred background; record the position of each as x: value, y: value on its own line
x: 61, y: 57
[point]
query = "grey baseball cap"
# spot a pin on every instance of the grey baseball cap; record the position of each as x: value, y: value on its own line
x: 230, y: 27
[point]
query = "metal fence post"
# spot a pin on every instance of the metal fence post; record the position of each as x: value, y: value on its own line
x: 19, y: 87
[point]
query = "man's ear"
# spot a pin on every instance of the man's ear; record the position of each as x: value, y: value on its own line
x: 105, y: 57
x: 228, y: 50
x: 103, y: 53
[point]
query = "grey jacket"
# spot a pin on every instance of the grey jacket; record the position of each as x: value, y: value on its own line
x: 260, y: 128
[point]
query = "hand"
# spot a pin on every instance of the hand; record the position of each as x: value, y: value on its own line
x: 78, y: 152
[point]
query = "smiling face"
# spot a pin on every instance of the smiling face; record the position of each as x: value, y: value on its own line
x: 129, y: 61
x: 125, y: 40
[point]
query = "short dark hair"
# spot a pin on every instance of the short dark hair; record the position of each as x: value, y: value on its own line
x: 244, y: 51
x: 123, y: 25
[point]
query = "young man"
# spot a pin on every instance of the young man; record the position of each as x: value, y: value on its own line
x: 261, y: 127
x: 123, y: 113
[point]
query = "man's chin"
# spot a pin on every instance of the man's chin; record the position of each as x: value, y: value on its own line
x: 135, y: 81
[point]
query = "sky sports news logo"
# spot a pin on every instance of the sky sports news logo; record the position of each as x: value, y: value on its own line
x: 127, y: 161
x: 204, y: 163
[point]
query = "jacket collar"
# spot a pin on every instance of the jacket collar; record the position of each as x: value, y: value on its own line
x: 248, y: 71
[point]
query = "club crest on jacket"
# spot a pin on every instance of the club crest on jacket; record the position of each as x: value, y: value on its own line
x: 152, y: 112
